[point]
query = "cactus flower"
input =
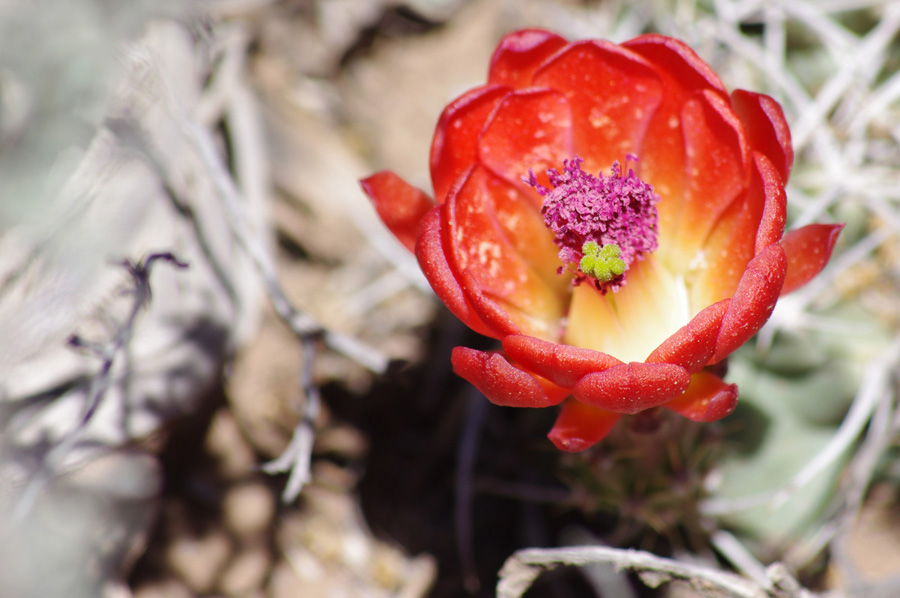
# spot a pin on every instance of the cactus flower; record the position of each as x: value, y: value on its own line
x: 615, y: 218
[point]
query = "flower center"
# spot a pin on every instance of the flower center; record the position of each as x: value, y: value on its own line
x: 601, y: 224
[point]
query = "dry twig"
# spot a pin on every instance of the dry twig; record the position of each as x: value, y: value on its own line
x: 522, y: 568
x: 108, y: 352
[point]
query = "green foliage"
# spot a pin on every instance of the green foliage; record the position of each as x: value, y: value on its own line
x: 794, y: 396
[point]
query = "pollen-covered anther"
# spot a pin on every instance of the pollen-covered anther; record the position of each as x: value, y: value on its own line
x: 601, y: 224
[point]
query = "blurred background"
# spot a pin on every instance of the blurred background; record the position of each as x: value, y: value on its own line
x: 190, y: 277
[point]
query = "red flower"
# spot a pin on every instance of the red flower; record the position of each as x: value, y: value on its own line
x: 611, y: 293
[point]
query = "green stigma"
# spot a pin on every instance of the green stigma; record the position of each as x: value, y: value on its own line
x: 602, y: 263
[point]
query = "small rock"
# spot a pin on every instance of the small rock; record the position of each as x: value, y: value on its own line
x: 248, y: 509
x: 247, y: 572
x: 226, y: 441
x: 169, y: 588
x: 199, y: 561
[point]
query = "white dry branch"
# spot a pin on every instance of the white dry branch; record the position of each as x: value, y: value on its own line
x: 734, y: 551
x: 523, y: 567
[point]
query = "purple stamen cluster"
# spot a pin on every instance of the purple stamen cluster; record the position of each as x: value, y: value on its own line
x: 581, y: 207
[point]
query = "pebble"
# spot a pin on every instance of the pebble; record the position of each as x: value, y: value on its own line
x: 200, y: 560
x: 246, y: 572
x: 248, y: 509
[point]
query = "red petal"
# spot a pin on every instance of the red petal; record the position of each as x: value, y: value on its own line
x: 808, y: 249
x: 613, y: 93
x: 455, y: 145
x: 580, y: 426
x: 632, y: 387
x: 753, y: 300
x: 717, y: 170
x: 529, y: 130
x: 563, y: 364
x: 662, y: 155
x: 693, y: 345
x: 707, y: 399
x: 433, y: 261
x: 502, y: 383
x: 400, y: 205
x: 767, y: 130
x: 488, y: 267
x: 519, y: 54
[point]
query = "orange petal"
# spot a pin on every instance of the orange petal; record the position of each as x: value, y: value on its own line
x: 613, y: 93
x: 499, y: 315
x: 529, y: 130
x: 523, y: 226
x: 455, y: 144
x: 725, y: 255
x: 707, y: 399
x: 734, y: 240
x: 400, y: 205
x: 562, y: 364
x: 767, y: 129
x: 487, y: 265
x: 580, y: 426
x: 753, y: 300
x: 632, y: 387
x: 519, y: 54
x: 503, y: 383
x: 749, y: 225
x: 662, y: 154
x: 717, y: 171
x: 808, y: 249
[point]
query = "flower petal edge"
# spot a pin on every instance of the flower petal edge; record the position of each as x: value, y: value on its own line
x: 503, y: 383
x: 708, y: 398
x: 753, y: 300
x: 579, y: 426
x: 399, y: 205
x: 808, y: 250
x: 632, y: 387
x: 519, y: 54
x: 563, y: 364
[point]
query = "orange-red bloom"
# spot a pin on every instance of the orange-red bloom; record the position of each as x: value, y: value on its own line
x: 501, y: 245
